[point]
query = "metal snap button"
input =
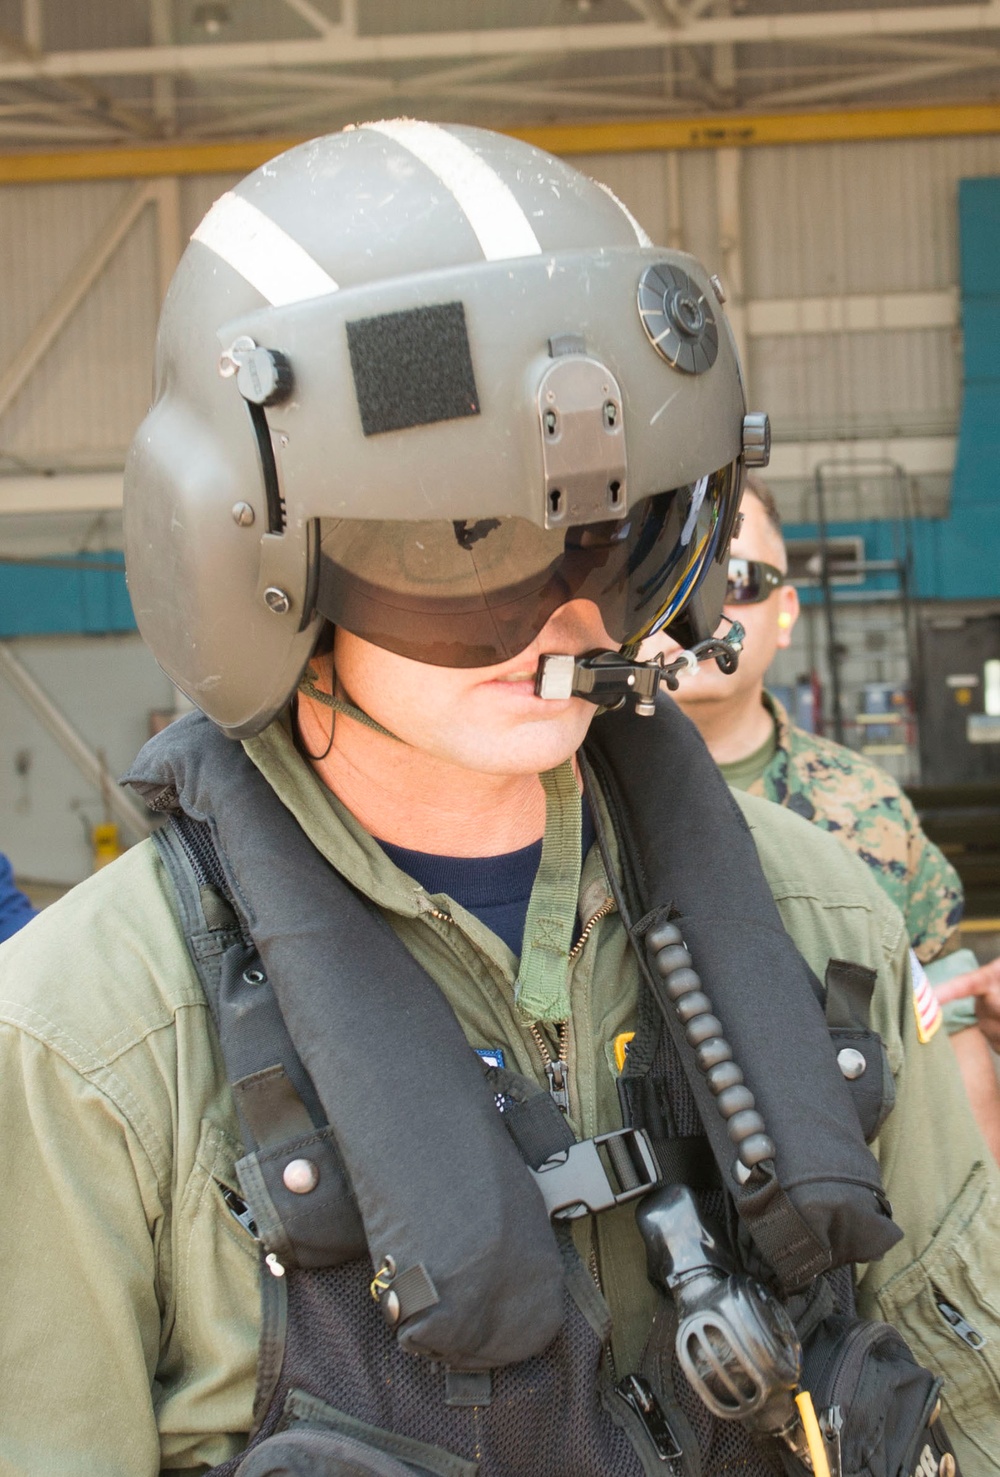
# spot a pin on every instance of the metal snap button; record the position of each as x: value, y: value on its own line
x: 300, y: 1176
x: 851, y: 1062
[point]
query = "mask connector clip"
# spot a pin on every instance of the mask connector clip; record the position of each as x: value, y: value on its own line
x: 608, y: 679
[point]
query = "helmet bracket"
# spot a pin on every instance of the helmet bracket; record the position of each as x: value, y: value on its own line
x: 583, y: 442
x: 288, y: 569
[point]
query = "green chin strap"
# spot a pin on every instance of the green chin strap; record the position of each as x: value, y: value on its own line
x: 309, y: 688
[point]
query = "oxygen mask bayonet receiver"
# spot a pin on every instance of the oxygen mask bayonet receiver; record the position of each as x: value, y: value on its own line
x: 735, y: 1342
x: 609, y: 678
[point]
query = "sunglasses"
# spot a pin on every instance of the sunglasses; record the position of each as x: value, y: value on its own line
x: 751, y: 581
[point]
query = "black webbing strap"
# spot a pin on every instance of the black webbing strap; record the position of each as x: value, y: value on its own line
x: 687, y: 1161
x: 275, y: 1100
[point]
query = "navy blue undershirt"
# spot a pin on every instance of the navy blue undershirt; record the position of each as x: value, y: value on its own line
x: 495, y: 889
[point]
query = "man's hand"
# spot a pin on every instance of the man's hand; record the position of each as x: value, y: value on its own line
x: 984, y: 984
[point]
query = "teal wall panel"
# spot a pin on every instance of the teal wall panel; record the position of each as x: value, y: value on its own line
x: 958, y: 557
x: 979, y: 227
x: 65, y: 599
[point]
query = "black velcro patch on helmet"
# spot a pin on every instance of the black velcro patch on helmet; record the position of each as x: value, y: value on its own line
x: 412, y: 368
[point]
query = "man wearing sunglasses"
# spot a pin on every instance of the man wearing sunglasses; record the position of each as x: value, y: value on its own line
x: 760, y: 750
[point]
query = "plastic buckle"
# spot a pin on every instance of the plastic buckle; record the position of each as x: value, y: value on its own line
x: 577, y: 1181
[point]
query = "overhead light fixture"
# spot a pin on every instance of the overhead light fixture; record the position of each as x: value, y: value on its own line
x: 211, y: 16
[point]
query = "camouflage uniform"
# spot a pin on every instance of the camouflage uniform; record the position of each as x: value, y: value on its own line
x: 863, y: 806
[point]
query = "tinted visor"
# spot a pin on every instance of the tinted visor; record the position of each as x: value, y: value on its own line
x: 750, y: 581
x: 475, y: 593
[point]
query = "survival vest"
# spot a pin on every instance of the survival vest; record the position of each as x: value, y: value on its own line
x: 425, y: 1199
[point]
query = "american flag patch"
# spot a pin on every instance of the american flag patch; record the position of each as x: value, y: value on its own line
x: 925, y: 1002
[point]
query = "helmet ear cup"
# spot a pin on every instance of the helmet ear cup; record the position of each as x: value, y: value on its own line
x: 200, y: 569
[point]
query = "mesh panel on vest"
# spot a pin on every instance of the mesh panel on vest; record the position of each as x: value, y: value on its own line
x: 544, y: 1418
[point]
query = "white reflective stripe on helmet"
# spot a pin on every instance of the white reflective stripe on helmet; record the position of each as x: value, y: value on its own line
x: 643, y: 238
x: 502, y: 227
x: 264, y: 255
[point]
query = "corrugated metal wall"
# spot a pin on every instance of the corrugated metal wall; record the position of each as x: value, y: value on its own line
x: 817, y: 221
x: 81, y: 405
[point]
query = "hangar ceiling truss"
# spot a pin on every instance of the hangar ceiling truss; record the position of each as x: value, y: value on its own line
x: 140, y: 70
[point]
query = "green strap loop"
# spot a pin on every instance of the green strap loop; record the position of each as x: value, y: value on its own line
x: 308, y: 686
x: 542, y: 989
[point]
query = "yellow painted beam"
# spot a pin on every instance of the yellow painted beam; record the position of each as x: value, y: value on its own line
x: 707, y: 131
x: 143, y: 161
x: 744, y: 130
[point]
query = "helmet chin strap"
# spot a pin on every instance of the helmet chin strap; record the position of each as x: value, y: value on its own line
x: 608, y: 678
x: 308, y: 688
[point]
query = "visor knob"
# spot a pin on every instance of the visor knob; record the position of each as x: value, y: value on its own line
x: 264, y: 376
x: 756, y: 439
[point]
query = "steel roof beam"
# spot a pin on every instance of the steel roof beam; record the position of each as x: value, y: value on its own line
x: 342, y: 47
x: 878, y: 79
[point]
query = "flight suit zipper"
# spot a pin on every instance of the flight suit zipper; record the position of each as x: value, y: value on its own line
x: 556, y: 1069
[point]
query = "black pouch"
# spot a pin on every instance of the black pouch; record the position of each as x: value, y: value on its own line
x: 878, y: 1408
x: 315, y: 1440
x: 306, y: 1452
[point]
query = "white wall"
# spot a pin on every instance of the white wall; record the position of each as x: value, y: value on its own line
x: 107, y: 686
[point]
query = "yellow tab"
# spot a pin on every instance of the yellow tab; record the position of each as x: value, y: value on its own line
x: 621, y: 1047
x: 106, y: 843
x: 813, y: 1434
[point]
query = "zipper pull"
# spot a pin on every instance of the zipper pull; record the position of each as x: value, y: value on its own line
x: 558, y: 1084
x: 639, y: 1394
x: 954, y: 1319
x: 239, y: 1210
x: 831, y: 1423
